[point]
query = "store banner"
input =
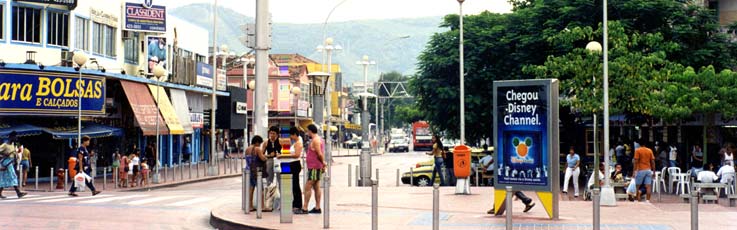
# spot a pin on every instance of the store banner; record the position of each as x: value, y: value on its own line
x: 197, y: 120
x: 45, y: 93
x: 146, y: 19
x: 156, y: 53
x: 204, y: 75
x: 222, y: 80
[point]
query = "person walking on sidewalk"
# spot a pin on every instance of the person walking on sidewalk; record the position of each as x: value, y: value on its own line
x: 521, y: 196
x: 644, y: 165
x: 273, y: 149
x: 573, y: 161
x: 315, y: 167
x: 123, y: 171
x: 258, y: 164
x: 26, y: 163
x: 295, y: 152
x: 84, y: 166
x: 437, y: 153
x: 7, y: 171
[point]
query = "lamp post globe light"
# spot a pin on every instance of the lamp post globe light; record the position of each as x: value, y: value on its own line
x: 158, y: 73
x: 328, y: 48
x: 595, y: 47
x: 246, y: 61
x: 79, y: 58
x: 365, y: 158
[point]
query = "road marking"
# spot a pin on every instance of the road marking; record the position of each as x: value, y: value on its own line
x: 37, y: 198
x: 191, y: 201
x: 151, y: 200
x: 110, y: 199
x: 73, y: 198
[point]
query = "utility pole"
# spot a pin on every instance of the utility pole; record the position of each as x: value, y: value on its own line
x: 263, y: 44
x: 212, y: 170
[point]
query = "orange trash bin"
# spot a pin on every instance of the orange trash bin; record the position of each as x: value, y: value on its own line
x: 462, y: 161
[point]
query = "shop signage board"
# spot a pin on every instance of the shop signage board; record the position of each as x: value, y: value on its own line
x: 204, y: 75
x: 197, y: 120
x: 526, y: 137
x: 45, y: 93
x: 139, y: 17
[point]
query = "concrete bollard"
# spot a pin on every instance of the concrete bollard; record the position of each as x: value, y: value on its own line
x: 411, y: 176
x: 104, y: 178
x: 197, y: 168
x: 375, y: 204
x: 189, y: 165
x: 51, y: 180
x: 247, y: 193
x: 694, y: 207
x: 435, y: 207
x: 326, y: 202
x: 596, y: 196
x: 509, y: 207
x: 66, y: 179
x: 181, y: 171
x: 37, y: 179
x: 166, y: 172
x: 259, y: 194
x: 358, y: 177
x: 377, y: 176
x: 115, y: 176
x: 398, y: 178
x: 349, y: 175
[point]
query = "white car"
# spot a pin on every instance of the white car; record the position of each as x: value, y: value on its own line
x: 399, y: 145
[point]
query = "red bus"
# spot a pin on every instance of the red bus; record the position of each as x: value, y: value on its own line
x: 421, y: 135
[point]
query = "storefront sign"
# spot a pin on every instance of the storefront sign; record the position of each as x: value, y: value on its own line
x: 101, y: 17
x: 241, y: 108
x: 42, y: 93
x: 147, y: 19
x: 302, y: 108
x: 222, y: 80
x: 196, y: 119
x: 204, y: 75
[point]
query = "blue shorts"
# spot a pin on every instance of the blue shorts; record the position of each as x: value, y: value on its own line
x: 644, y: 177
x: 25, y: 164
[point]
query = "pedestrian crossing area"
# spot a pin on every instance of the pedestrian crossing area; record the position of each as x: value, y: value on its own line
x: 111, y: 199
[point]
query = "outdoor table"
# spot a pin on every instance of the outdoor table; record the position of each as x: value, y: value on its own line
x: 709, y: 189
x: 620, y: 190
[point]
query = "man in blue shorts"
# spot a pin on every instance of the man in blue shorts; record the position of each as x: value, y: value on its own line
x: 644, y: 165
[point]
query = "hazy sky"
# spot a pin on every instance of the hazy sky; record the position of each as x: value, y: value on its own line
x: 315, y: 11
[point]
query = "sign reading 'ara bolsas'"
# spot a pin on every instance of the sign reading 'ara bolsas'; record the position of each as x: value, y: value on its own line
x: 140, y: 18
x: 37, y: 93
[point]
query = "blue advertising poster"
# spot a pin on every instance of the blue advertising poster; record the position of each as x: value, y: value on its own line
x: 41, y: 93
x: 147, y: 19
x: 204, y: 75
x: 523, y: 132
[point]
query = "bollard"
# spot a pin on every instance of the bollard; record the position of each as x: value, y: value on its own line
x: 189, y: 165
x: 357, y: 175
x: 411, y: 176
x: 51, y: 181
x: 104, y: 178
x: 694, y: 207
x: 375, y: 204
x: 243, y: 191
x: 326, y: 202
x: 66, y: 179
x: 259, y: 194
x: 197, y: 168
x: 377, y: 176
x: 435, y: 207
x: 166, y: 172
x: 509, y: 207
x: 115, y: 176
x: 477, y: 178
x: 398, y: 178
x: 37, y: 179
x: 349, y: 175
x: 596, y: 196
x: 20, y: 176
x: 181, y: 171
x: 247, y: 195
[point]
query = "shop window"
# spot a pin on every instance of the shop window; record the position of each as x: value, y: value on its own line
x: 82, y: 34
x: 2, y: 21
x: 131, y: 45
x: 27, y: 24
x: 103, y: 42
x: 57, y: 25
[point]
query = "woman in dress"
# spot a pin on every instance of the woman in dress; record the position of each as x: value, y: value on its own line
x: 7, y: 175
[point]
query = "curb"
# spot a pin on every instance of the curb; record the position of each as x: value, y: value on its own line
x: 226, y: 224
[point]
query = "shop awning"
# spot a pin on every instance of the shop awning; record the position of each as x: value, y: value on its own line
x: 21, y: 130
x: 167, y: 110
x: 88, y: 129
x: 179, y: 100
x: 144, y: 108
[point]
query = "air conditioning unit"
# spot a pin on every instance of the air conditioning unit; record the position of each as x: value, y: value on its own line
x: 66, y: 58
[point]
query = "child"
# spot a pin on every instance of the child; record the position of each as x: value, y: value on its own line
x: 144, y: 171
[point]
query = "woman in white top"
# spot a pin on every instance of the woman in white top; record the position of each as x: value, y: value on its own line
x: 134, y: 168
x: 729, y: 154
x: 293, y: 161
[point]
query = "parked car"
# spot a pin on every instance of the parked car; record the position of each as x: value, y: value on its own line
x: 399, y: 145
x: 421, y: 174
x: 353, y: 143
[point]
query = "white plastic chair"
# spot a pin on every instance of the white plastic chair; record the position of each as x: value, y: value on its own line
x: 729, y: 190
x: 660, y: 180
x: 684, y: 185
x: 672, y: 172
x: 656, y: 182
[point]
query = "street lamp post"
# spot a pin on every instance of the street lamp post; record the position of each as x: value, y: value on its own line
x: 80, y: 58
x: 365, y: 159
x: 608, y: 198
x: 328, y: 48
x: 213, y: 170
x: 595, y: 47
x: 460, y: 48
x: 158, y: 72
x: 246, y: 61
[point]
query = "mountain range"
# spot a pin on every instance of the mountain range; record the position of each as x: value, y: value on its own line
x: 381, y: 40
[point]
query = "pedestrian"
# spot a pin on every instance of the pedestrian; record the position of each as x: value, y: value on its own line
x: 151, y: 155
x: 315, y: 167
x: 144, y: 174
x: 487, y: 164
x: 134, y: 168
x: 644, y: 165
x: 84, y: 166
x: 226, y: 148
x: 663, y: 151
x: 673, y: 156
x: 697, y: 158
x: 448, y: 159
x: 627, y: 163
x: 272, y: 149
x: 573, y: 161
x: 728, y: 157
x: 295, y: 167
x: 123, y: 171
x: 257, y: 165
x: 437, y: 153
x: 186, y: 151
x: 521, y: 196
x: 8, y: 177
x: 26, y: 163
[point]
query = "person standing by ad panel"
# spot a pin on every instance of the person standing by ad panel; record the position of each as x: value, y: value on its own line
x: 293, y: 159
x: 273, y: 149
x: 315, y: 167
x: 525, y: 120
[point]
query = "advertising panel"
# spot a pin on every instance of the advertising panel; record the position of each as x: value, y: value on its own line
x: 44, y: 93
x: 156, y: 52
x: 204, y: 75
x: 197, y: 120
x: 222, y: 80
x: 146, y: 19
x: 525, y: 141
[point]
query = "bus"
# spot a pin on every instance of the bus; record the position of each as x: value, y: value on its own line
x: 421, y: 135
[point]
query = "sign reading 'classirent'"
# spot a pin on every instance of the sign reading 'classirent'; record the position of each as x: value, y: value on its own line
x: 26, y: 92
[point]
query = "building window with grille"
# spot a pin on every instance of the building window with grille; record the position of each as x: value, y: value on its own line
x: 57, y: 24
x: 82, y: 34
x: 26, y: 24
x: 131, y: 44
x: 103, y: 42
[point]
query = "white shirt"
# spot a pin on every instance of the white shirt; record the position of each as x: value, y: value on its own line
x: 291, y: 151
x: 723, y: 174
x: 707, y: 176
x: 729, y: 158
x: 486, y: 160
x: 673, y: 153
x: 591, y: 179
